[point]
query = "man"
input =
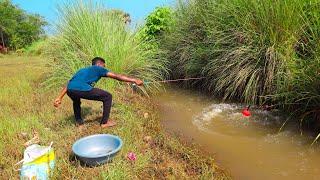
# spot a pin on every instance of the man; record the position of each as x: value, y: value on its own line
x: 81, y: 87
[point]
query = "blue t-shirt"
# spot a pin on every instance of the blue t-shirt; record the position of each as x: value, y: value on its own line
x: 85, y: 78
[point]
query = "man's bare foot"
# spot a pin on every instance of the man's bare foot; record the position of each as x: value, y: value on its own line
x: 80, y: 127
x: 110, y: 123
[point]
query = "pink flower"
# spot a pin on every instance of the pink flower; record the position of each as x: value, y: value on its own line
x: 131, y: 156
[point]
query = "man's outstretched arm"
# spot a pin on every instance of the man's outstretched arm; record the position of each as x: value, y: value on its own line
x: 120, y: 77
x: 58, y: 100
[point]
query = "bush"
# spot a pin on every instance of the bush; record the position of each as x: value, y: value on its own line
x: 20, y: 51
x: 156, y: 23
x: 37, y: 48
x: 86, y: 31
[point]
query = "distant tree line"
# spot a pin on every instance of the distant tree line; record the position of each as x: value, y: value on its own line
x: 18, y: 29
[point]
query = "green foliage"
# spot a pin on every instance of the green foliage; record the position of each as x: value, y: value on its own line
x: 18, y: 28
x: 37, y: 47
x: 156, y: 23
x: 253, y: 51
x: 151, y: 32
x: 86, y: 31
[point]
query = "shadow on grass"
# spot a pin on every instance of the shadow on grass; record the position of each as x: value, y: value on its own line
x: 74, y: 161
x: 89, y: 115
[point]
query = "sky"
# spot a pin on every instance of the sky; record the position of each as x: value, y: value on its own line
x: 138, y: 9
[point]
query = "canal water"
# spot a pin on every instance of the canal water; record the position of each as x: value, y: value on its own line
x: 248, y: 147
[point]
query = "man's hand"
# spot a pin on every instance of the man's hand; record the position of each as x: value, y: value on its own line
x: 138, y: 82
x: 57, y: 102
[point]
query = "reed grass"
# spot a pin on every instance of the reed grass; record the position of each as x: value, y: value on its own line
x: 86, y: 30
x: 258, y: 52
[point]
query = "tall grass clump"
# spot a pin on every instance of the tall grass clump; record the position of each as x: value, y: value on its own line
x: 253, y: 51
x: 37, y: 48
x: 302, y: 94
x: 87, y: 30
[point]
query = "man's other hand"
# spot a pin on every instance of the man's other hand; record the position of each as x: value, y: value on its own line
x: 57, y: 102
x: 138, y: 82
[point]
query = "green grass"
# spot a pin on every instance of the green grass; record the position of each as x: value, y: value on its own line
x: 26, y: 108
x: 37, y: 48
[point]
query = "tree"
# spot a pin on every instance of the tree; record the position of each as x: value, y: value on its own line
x: 18, y: 29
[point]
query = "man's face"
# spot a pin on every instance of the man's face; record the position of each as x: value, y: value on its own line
x: 100, y: 63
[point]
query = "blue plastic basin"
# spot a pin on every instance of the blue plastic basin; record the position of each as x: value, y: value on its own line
x: 97, y: 149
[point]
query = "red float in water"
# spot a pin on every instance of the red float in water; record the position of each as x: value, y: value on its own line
x: 246, y: 112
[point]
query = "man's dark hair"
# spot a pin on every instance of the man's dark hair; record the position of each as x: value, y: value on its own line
x: 97, y: 59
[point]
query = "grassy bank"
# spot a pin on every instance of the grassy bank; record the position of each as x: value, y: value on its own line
x: 27, y: 109
x: 264, y: 52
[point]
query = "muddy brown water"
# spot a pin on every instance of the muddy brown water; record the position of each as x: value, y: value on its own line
x: 249, y: 148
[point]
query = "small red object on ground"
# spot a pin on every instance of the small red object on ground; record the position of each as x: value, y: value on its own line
x: 131, y: 156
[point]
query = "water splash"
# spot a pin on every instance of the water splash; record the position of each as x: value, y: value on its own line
x: 230, y: 115
x: 205, y: 118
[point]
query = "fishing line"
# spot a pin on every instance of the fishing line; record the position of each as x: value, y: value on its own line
x: 176, y: 80
x: 170, y: 80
